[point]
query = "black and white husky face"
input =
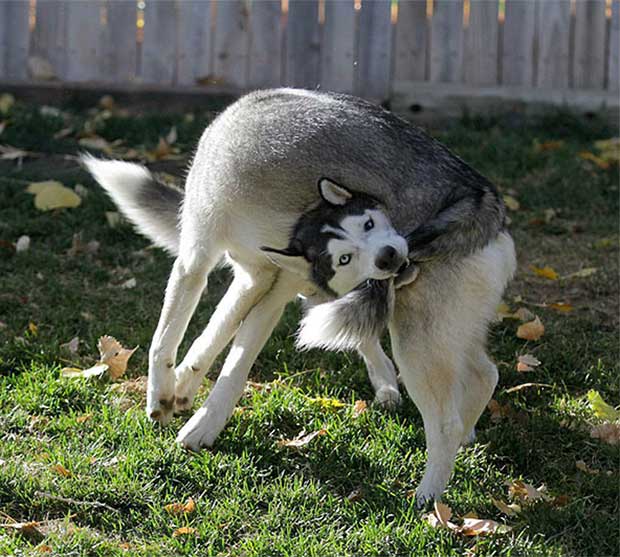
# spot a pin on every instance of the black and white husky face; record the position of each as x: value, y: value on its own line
x: 345, y: 240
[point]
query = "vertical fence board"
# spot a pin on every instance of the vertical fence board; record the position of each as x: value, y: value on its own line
x: 159, y: 49
x: 447, y: 41
x: 481, y: 43
x: 302, y: 44
x: 613, y: 77
x: 411, y: 40
x: 589, y: 61
x: 518, y: 48
x: 265, y: 57
x: 375, y: 50
x: 232, y: 42
x: 119, y: 42
x: 553, y: 38
x: 49, y: 35
x: 83, y: 41
x: 338, y: 46
x: 15, y: 39
x: 194, y: 41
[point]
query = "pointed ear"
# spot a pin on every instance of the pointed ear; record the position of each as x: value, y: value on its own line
x: 333, y: 193
x: 290, y: 259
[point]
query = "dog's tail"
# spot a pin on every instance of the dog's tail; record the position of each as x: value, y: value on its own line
x: 149, y: 204
x: 348, y: 322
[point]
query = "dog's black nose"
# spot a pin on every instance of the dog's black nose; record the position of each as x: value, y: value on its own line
x: 388, y: 259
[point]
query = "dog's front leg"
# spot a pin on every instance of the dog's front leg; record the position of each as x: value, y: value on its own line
x: 182, y: 294
x: 207, y: 423
x: 381, y: 373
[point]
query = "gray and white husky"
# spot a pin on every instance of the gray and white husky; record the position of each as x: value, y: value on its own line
x: 391, y: 203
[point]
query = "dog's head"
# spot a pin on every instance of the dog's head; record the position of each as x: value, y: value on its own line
x: 343, y: 241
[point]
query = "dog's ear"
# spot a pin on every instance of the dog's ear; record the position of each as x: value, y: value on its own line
x: 291, y: 258
x: 333, y: 193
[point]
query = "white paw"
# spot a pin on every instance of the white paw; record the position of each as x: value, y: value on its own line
x: 387, y: 397
x: 186, y: 386
x: 160, y: 393
x: 427, y: 493
x: 201, y: 430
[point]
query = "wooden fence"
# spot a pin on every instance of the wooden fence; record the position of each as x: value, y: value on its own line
x: 367, y: 47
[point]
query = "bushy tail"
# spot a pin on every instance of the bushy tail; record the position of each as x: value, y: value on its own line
x: 151, y: 205
x: 349, y: 321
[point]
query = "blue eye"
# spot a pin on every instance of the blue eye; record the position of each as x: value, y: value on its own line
x: 369, y: 225
x: 345, y: 259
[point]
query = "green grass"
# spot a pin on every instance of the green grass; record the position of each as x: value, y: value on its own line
x: 254, y: 497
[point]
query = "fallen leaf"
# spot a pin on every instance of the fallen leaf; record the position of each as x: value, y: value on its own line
x: 498, y: 411
x: 73, y: 372
x: 355, y: 495
x: 583, y: 273
x: 359, y: 407
x: 527, y: 492
x: 61, y: 470
x: 609, y: 149
x: 598, y: 161
x: 22, y: 244
x: 32, y: 327
x: 114, y: 218
x: 512, y: 203
x: 601, y: 409
x: 72, y: 346
x: 532, y: 330
x: 53, y: 195
x: 546, y: 272
x: 114, y: 355
x: 184, y: 531
x: 302, y: 439
x: 525, y: 386
x: 552, y: 145
x: 581, y: 465
x: 524, y: 314
x: 44, y: 548
x: 562, y: 307
x: 83, y: 419
x: 527, y: 362
x: 10, y: 153
x: 482, y: 527
x: 508, y: 509
x: 6, y: 102
x: 443, y: 513
x: 28, y: 530
x: 181, y: 508
x: 97, y: 143
x: 607, y: 432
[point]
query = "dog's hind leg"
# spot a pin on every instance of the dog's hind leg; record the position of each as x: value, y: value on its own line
x: 248, y: 286
x: 381, y: 373
x: 183, y: 291
x: 207, y: 423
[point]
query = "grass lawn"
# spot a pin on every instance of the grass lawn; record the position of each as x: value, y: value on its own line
x: 79, y: 456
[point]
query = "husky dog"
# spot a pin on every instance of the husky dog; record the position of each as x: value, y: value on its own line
x: 251, y: 195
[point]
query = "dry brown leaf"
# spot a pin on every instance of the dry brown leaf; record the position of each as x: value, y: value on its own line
x: 74, y: 372
x: 524, y: 314
x: 546, y: 272
x: 527, y: 493
x: 548, y: 145
x: 583, y: 273
x: 28, y: 530
x: 71, y: 346
x: 359, y: 407
x: 61, y: 470
x: 44, y: 548
x: 607, y: 432
x: 114, y: 355
x: 510, y: 510
x: 51, y: 194
x: 598, y: 161
x: 302, y: 439
x: 32, y: 327
x: 562, y: 307
x: 482, y: 527
x: 527, y: 362
x: 498, y: 411
x: 512, y: 203
x: 443, y: 513
x: 181, y: 508
x: 532, y: 330
x: 84, y: 418
x: 184, y: 531
x: 581, y: 465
